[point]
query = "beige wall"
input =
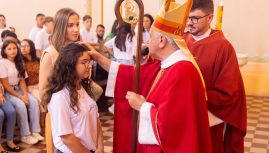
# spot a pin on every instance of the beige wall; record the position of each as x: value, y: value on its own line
x: 245, y: 22
x: 21, y: 14
x: 109, y: 15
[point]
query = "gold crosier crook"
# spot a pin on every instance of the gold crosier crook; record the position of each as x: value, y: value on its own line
x: 137, y: 60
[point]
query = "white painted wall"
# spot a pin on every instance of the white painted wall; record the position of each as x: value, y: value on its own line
x: 245, y: 22
x: 109, y: 15
x: 21, y: 13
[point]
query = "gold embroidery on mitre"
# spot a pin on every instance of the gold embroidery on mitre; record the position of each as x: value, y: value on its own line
x: 176, y: 13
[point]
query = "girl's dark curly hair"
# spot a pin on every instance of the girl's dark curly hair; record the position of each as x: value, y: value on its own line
x: 18, y: 59
x: 32, y: 51
x: 64, y: 75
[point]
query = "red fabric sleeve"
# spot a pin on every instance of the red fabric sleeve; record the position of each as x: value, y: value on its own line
x: 123, y: 111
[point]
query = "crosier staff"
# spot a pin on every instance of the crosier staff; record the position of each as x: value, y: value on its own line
x: 137, y: 61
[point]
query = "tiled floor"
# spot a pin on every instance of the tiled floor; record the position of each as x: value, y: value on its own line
x: 256, y: 141
x: 257, y: 138
x: 107, y: 126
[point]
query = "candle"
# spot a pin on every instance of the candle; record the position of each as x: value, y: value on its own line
x: 219, y: 16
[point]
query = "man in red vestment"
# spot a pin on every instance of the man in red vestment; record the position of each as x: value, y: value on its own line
x: 172, y: 106
x: 225, y: 90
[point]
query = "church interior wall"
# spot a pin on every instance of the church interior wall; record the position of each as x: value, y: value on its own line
x: 245, y: 24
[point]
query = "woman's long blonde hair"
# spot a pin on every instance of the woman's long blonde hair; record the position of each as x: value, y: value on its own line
x: 58, y: 36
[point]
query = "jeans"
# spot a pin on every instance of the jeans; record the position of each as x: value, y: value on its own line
x: 34, y: 91
x: 23, y: 111
x: 2, y: 117
x: 8, y: 110
x: 59, y: 151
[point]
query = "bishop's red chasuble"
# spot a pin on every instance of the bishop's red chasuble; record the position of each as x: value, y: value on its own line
x: 179, y: 117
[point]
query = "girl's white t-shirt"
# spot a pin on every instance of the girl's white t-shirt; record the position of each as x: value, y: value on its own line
x: 88, y: 36
x: 64, y: 120
x: 33, y: 33
x: 42, y: 40
x: 124, y: 55
x: 8, y: 70
x: 145, y: 36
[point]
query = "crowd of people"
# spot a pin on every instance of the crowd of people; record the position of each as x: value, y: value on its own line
x: 192, y: 94
x: 27, y: 64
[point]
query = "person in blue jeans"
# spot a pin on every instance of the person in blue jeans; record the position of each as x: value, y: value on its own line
x: 12, y: 77
x: 6, y: 109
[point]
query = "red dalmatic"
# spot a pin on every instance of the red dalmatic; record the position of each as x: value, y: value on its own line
x: 226, y: 95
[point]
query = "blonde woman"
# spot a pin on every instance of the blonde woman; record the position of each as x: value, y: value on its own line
x: 66, y: 30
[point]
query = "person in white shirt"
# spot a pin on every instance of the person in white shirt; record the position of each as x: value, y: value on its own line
x: 8, y: 35
x: 12, y: 77
x: 85, y: 32
x: 42, y: 37
x: 74, y: 114
x: 2, y: 23
x: 3, y: 26
x: 122, y: 47
x: 39, y: 25
x: 147, y: 22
